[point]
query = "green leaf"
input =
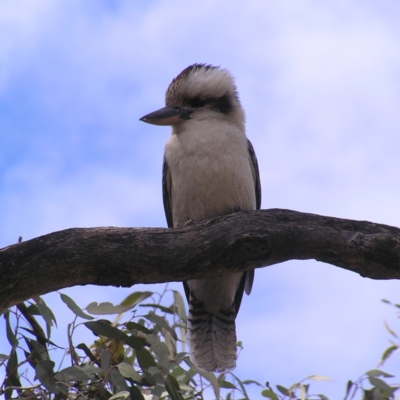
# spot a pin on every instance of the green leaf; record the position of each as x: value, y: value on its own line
x: 250, y: 381
x: 376, y: 372
x: 322, y: 397
x: 393, y: 333
x: 39, y: 352
x: 241, y: 386
x: 44, y: 372
x: 180, y: 305
x: 380, y: 384
x: 348, y: 388
x: 9, y: 331
x: 173, y: 389
x: 136, y: 394
x: 269, y: 394
x: 135, y: 298
x: 160, y: 349
x: 128, y: 371
x: 388, y: 352
x: 227, y: 385
x: 105, y: 361
x: 12, y: 372
x: 104, y: 329
x: 46, y: 312
x: 161, y: 322
x: 181, y: 375
x: 135, y: 342
x: 283, y: 390
x: 167, y: 310
x: 74, y: 374
x: 4, y: 357
x: 138, y: 327
x: 74, y: 307
x: 181, y: 309
x: 153, y: 374
x: 106, y: 308
x: 32, y: 309
x: 145, y: 359
x: 120, y: 395
x: 210, y: 376
x: 118, y: 380
x: 86, y: 350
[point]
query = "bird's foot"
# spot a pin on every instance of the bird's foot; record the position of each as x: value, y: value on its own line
x: 189, y: 222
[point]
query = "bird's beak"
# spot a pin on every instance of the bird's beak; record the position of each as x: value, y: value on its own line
x: 167, y: 116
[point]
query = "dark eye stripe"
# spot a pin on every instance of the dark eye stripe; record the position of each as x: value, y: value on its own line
x: 222, y: 104
x: 199, y: 102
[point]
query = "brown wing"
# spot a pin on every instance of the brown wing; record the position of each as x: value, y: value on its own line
x: 166, y: 189
x: 246, y: 283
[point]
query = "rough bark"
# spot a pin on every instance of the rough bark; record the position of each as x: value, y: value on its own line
x: 239, y: 241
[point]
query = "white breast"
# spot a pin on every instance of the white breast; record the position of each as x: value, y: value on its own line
x: 210, y: 171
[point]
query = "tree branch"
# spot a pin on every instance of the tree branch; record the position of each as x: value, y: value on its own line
x: 236, y: 242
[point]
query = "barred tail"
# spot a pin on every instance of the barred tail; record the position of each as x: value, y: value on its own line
x: 211, y: 337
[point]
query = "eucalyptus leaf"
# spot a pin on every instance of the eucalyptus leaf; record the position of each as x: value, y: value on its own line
x: 160, y: 349
x: 136, y: 298
x: 269, y: 394
x: 167, y: 310
x: 161, y: 322
x: 227, y: 385
x: 381, y: 384
x: 145, y: 359
x: 46, y: 312
x: 173, y: 389
x: 180, y: 305
x: 120, y: 395
x: 86, y: 350
x: 74, y: 307
x: 73, y: 374
x: 128, y: 371
x: 104, y: 329
x: 251, y: 381
x: 283, y: 390
x: 135, y: 326
x: 376, y: 372
x: 12, y: 370
x: 106, y: 308
x: 136, y: 394
x: 9, y: 332
x: 45, y: 374
x: 118, y: 380
x: 105, y: 361
x: 387, y: 353
x: 210, y: 376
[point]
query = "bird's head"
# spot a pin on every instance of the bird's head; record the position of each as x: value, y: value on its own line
x: 199, y: 92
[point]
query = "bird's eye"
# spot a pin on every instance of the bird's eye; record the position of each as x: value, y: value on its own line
x: 197, y: 102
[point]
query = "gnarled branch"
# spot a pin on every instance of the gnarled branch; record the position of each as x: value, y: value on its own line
x: 236, y: 242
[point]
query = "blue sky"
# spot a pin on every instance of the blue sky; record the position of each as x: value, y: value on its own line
x: 320, y: 83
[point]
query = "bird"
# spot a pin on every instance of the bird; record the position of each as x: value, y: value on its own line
x: 210, y: 169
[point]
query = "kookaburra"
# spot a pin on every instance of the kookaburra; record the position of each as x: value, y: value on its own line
x: 210, y: 169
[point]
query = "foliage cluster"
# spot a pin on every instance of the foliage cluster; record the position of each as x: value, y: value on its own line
x: 140, y: 355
